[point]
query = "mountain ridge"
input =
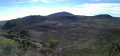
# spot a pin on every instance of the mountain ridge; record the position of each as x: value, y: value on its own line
x: 61, y: 14
x: 90, y: 35
x: 62, y: 19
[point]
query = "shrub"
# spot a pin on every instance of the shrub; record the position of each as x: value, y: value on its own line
x: 53, y: 43
x: 8, y: 45
x: 33, y: 43
x: 3, y: 33
x: 39, y: 49
x: 27, y: 38
x: 115, y: 49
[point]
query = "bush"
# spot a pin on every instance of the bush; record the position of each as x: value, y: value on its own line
x: 53, y: 43
x: 27, y: 38
x: 115, y: 49
x: 33, y: 43
x: 8, y: 46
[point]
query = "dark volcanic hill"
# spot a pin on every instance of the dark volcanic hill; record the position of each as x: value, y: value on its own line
x: 104, y: 16
x: 2, y: 23
x: 84, y: 35
x: 61, y: 14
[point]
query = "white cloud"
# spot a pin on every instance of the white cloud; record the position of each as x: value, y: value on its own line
x: 99, y: 5
x: 44, y: 1
x: 84, y: 9
x: 108, y: 8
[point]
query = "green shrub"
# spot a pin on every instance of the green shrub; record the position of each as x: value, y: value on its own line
x: 3, y: 33
x: 8, y: 45
x: 39, y: 49
x: 27, y: 38
x: 115, y: 49
x: 53, y: 43
x: 33, y: 43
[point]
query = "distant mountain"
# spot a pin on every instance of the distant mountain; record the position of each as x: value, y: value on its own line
x: 61, y: 14
x: 104, y: 16
x: 2, y: 23
x: 52, y: 20
x: 78, y: 35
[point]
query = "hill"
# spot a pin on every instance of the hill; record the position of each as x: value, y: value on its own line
x: 78, y: 35
x: 61, y: 14
x: 2, y: 23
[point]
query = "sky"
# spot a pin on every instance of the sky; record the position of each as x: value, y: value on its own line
x: 12, y: 9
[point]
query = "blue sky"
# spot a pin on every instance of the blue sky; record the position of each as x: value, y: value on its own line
x: 11, y: 9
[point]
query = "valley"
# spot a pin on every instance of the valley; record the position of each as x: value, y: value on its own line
x: 77, y: 35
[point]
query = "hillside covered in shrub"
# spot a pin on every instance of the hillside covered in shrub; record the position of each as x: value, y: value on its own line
x: 66, y: 35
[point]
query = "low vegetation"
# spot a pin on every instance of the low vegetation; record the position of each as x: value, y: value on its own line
x: 61, y: 36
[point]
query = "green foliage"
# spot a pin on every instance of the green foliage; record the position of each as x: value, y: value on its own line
x: 115, y: 49
x: 53, y: 43
x: 11, y: 32
x: 49, y: 48
x: 39, y: 49
x: 8, y: 45
x: 33, y: 44
x: 3, y: 33
x: 71, y: 55
x: 9, y: 42
x: 78, y: 32
x: 27, y: 38
x: 44, y: 49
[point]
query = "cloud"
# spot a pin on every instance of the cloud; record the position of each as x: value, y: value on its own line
x: 44, y: 1
x: 108, y: 8
x: 84, y: 9
x: 99, y: 5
